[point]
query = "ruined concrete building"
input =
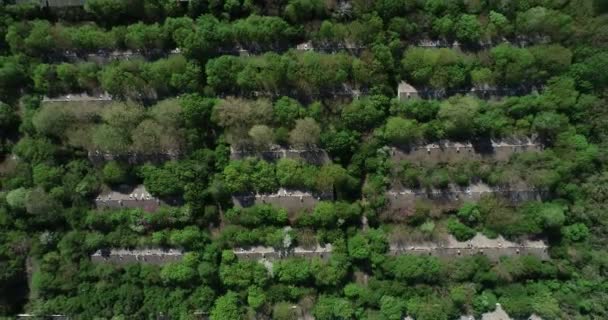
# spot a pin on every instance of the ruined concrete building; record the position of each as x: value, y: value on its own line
x: 305, y: 46
x: 480, y: 244
x: 129, y: 197
x: 126, y: 256
x: 448, y: 151
x: 402, y: 203
x: 290, y: 200
x: 313, y: 156
x: 269, y: 253
x: 406, y: 91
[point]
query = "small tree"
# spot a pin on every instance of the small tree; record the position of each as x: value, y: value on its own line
x: 305, y: 134
x: 17, y: 198
x: 261, y: 136
x: 284, y: 311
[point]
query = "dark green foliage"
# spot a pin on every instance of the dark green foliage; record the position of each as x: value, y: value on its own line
x: 460, y: 231
x: 114, y: 173
x: 226, y: 307
x: 259, y: 215
x: 238, y: 81
x: 414, y: 269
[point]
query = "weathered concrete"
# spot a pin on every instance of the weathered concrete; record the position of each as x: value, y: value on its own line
x: 314, y: 156
x: 54, y: 3
x: 449, y: 151
x: 99, y: 158
x: 499, y: 314
x: 290, y: 200
x: 126, y: 256
x: 8, y: 165
x: 269, y: 253
x: 480, y: 244
x: 108, y: 55
x: 406, y: 91
x: 402, y: 203
x: 129, y: 197
x: 79, y: 97
x: 521, y: 41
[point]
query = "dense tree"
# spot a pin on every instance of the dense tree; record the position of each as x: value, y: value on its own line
x: 391, y: 307
x: 456, y: 115
x: 286, y: 111
x: 401, y: 131
x: 362, y: 115
x: 143, y: 37
x: 512, y: 66
x: 243, y: 85
x: 226, y: 307
x: 439, y: 68
x: 468, y: 28
x: 333, y: 308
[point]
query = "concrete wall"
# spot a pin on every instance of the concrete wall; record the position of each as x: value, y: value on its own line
x: 313, y: 156
x: 292, y: 201
x: 126, y: 256
x: 480, y: 244
x: 269, y: 253
x: 448, y: 151
x: 401, y: 203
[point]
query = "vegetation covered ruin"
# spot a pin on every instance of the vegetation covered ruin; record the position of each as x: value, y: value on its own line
x: 303, y: 159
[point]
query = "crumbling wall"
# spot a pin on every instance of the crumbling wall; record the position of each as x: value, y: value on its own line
x: 402, y: 203
x: 269, y: 253
x: 79, y: 97
x: 127, y: 197
x: 480, y: 244
x: 126, y: 256
x: 313, y: 156
x: 291, y: 201
x: 99, y: 158
x: 448, y: 151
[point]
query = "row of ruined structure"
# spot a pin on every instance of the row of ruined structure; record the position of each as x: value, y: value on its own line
x: 296, y: 201
x: 401, y: 201
x: 493, y: 249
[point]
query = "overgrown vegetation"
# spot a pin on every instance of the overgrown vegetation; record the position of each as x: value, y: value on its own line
x: 193, y: 81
